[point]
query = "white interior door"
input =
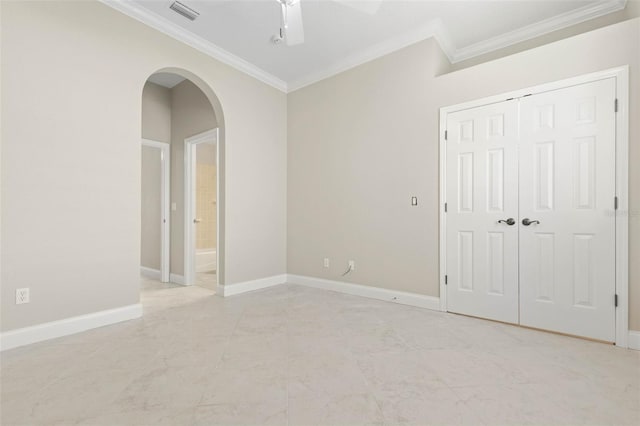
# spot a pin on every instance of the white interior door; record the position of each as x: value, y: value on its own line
x: 482, y: 212
x: 567, y: 188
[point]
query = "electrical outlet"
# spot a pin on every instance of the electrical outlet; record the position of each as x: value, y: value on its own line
x: 352, y: 265
x: 22, y: 296
x: 326, y: 262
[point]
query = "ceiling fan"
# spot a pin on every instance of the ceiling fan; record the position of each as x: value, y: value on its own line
x: 291, y: 29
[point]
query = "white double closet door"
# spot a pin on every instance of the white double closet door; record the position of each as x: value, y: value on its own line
x: 530, y: 223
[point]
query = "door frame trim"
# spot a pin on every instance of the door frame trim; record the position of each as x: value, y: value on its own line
x: 209, y: 136
x: 165, y: 197
x: 621, y: 74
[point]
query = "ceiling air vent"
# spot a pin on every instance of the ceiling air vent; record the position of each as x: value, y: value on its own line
x: 184, y: 10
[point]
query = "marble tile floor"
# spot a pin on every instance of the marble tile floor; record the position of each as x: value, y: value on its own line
x: 208, y: 279
x: 292, y: 355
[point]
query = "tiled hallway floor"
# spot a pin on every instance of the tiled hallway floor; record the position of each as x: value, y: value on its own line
x: 298, y: 356
x: 208, y: 279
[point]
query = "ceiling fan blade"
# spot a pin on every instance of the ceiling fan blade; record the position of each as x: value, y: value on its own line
x: 293, y: 30
x: 367, y: 6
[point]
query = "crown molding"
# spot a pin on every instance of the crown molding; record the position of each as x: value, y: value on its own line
x: 437, y: 30
x: 538, y: 29
x: 174, y: 31
x: 434, y: 28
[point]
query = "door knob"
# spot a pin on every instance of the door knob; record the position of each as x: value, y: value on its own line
x: 197, y: 220
x: 526, y: 221
x: 511, y: 221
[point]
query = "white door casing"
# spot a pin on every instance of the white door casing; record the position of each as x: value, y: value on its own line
x: 482, y: 212
x: 567, y: 183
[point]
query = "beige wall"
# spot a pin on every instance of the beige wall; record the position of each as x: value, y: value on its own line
x: 156, y: 113
x: 191, y: 114
x: 156, y: 126
x: 151, y: 210
x: 71, y: 126
x: 358, y: 150
x: 360, y: 144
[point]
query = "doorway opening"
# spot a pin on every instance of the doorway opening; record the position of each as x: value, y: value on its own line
x: 201, y: 209
x: 155, y: 238
x: 182, y: 224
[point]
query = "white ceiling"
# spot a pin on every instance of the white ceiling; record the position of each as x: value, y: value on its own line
x: 338, y: 37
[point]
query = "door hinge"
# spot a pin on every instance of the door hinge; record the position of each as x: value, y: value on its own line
x: 446, y: 135
x: 446, y: 279
x: 615, y: 203
x: 615, y: 300
x: 445, y: 207
x: 615, y: 105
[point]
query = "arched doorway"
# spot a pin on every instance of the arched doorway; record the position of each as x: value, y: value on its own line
x: 182, y: 214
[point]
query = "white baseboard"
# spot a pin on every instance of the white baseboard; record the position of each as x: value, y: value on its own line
x: 404, y: 298
x: 154, y: 274
x: 243, y: 287
x: 176, y: 279
x: 65, y: 327
x: 634, y: 340
x: 206, y: 267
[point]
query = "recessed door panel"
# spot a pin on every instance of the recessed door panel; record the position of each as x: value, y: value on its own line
x: 495, y: 126
x: 586, y: 110
x: 543, y: 117
x: 495, y: 180
x: 465, y: 182
x: 495, y: 262
x: 584, y: 177
x: 543, y: 179
x: 544, y: 266
x: 465, y: 265
x: 465, y: 133
x: 583, y: 270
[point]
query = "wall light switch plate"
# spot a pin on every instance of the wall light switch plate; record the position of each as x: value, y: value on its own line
x: 174, y: 206
x: 326, y: 262
x: 414, y: 201
x: 22, y: 296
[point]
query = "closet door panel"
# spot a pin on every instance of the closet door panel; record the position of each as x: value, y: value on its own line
x: 481, y: 190
x: 566, y: 192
